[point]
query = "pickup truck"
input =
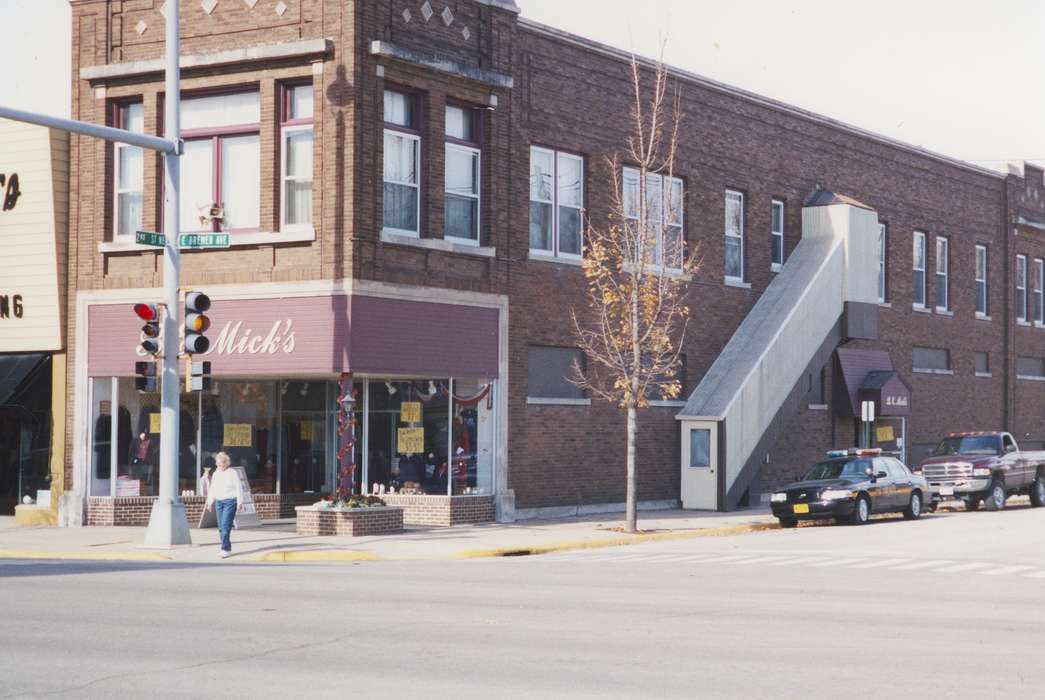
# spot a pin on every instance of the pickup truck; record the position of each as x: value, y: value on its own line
x: 983, y: 467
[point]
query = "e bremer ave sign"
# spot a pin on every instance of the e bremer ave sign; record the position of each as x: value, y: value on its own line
x: 34, y: 161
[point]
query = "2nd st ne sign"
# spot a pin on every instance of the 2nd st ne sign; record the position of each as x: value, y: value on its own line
x: 186, y: 240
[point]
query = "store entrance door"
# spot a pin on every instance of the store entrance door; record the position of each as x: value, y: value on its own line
x: 890, y: 435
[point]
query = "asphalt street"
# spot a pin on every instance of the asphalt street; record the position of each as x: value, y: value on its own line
x: 952, y: 605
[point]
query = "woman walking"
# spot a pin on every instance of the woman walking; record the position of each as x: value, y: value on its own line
x: 225, y: 492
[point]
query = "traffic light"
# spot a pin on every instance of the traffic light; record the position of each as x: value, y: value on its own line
x: 150, y: 336
x: 145, y: 377
x: 196, y: 322
x: 197, y: 376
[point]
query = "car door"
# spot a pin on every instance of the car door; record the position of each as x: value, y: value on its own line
x: 887, y: 499
x: 903, y: 482
x: 877, y: 488
x: 1014, y: 464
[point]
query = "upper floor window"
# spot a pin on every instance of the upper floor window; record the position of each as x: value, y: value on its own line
x: 664, y: 202
x: 402, y: 164
x: 556, y: 202
x: 221, y: 165
x: 1021, y: 288
x: 461, y: 211
x: 734, y: 235
x: 943, y: 269
x: 883, y: 236
x: 128, y: 173
x: 776, y: 260
x: 296, y: 166
x: 931, y: 360
x: 981, y: 280
x: 1039, y: 291
x: 918, y: 270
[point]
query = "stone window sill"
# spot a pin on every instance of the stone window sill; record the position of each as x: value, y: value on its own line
x: 545, y: 256
x: 944, y: 312
x: 982, y: 317
x: 946, y: 372
x: 540, y: 401
x: 1023, y: 323
x: 921, y: 309
x: 668, y: 402
x: 817, y: 407
x: 775, y: 267
x: 985, y: 375
x: 733, y: 282
x: 1030, y: 378
x: 885, y: 305
x: 442, y: 244
x: 240, y: 240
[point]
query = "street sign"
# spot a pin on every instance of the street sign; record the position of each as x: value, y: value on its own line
x: 150, y: 238
x: 204, y: 240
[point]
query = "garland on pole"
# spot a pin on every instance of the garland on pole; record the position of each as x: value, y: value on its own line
x: 346, y: 433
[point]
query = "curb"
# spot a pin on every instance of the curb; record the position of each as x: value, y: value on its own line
x: 621, y: 541
x: 93, y: 556
x: 308, y: 555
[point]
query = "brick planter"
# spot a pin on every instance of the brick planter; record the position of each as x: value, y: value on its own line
x: 106, y: 511
x: 354, y: 522
x: 443, y: 511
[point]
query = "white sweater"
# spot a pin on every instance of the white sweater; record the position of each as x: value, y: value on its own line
x: 225, y: 484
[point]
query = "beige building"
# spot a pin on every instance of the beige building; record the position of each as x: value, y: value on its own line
x: 34, y: 206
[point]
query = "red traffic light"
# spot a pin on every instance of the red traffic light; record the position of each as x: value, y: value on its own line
x: 147, y: 312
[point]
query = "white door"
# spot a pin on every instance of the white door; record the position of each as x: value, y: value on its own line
x: 699, y: 483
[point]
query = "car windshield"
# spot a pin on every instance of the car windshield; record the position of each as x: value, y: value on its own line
x: 836, y: 468
x: 967, y: 445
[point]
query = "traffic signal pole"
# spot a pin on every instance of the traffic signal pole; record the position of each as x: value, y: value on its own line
x: 168, y: 525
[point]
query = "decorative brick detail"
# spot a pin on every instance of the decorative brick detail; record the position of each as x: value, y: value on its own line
x: 354, y: 522
x: 134, y: 511
x: 443, y: 511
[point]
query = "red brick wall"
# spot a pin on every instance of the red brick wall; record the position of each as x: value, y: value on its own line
x: 135, y: 511
x: 443, y: 511
x: 353, y: 522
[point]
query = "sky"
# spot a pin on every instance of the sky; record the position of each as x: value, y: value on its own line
x: 959, y: 77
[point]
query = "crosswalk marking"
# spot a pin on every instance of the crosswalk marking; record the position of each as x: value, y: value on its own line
x: 880, y: 563
x: 1036, y: 574
x: 837, y: 562
x: 914, y: 566
x: 799, y: 560
x: 962, y: 567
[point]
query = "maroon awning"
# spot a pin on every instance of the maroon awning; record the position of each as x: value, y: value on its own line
x: 869, y: 375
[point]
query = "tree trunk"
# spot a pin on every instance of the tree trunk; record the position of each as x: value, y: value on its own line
x: 629, y: 513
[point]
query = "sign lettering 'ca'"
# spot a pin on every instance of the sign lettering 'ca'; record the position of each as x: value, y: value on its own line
x: 9, y: 185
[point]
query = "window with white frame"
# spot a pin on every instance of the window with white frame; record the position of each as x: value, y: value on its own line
x: 883, y: 236
x: 664, y: 213
x: 1039, y: 291
x: 556, y: 202
x: 943, y: 265
x: 296, y: 167
x: 221, y: 164
x: 981, y: 280
x: 1021, y: 288
x: 461, y: 209
x: 776, y: 260
x: 402, y: 164
x: 918, y: 270
x: 129, y: 172
x: 734, y: 235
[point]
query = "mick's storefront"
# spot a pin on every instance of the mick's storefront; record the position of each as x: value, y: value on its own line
x: 427, y: 411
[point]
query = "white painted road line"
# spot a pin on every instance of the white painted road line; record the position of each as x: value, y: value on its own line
x: 962, y: 567
x: 880, y: 563
x: 930, y: 564
x: 799, y: 560
x: 837, y: 562
x: 1005, y: 570
x: 1036, y: 574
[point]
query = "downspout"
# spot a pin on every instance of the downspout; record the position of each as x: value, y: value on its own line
x: 1008, y: 402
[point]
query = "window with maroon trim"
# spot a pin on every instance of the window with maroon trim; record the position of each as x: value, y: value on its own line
x: 402, y: 164
x: 296, y: 165
x: 221, y: 165
x: 463, y: 155
x: 128, y: 172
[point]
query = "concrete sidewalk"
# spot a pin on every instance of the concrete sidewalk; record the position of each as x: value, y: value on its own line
x: 277, y: 541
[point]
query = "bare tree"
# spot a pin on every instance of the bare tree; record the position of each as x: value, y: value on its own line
x: 637, y: 269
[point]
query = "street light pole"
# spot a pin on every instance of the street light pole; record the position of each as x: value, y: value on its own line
x: 168, y: 525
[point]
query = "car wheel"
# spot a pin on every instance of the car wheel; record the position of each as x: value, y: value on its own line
x: 788, y: 522
x: 862, y: 511
x: 995, y: 495
x: 914, y: 508
x: 972, y: 504
x: 1037, y: 491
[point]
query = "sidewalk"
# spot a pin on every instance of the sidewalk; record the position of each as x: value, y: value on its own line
x: 277, y: 540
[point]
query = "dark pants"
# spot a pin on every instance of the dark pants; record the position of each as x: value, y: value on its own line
x: 225, y: 511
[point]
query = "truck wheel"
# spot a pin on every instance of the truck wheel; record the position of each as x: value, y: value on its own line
x: 861, y: 512
x: 788, y: 522
x: 1037, y: 491
x: 972, y: 503
x: 995, y: 495
x: 914, y: 508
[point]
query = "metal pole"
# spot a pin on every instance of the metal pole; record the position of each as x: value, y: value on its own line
x: 108, y: 133
x: 168, y: 525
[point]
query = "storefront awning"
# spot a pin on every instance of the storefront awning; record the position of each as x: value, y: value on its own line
x: 13, y: 371
x: 869, y: 375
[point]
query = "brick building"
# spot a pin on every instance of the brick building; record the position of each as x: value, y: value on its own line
x: 445, y: 287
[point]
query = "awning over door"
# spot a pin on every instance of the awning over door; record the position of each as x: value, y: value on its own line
x: 13, y: 371
x: 869, y: 375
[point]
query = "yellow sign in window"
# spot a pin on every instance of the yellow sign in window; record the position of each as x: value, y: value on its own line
x: 154, y: 423
x: 410, y: 412
x: 411, y: 440
x: 237, y: 435
x: 884, y: 433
